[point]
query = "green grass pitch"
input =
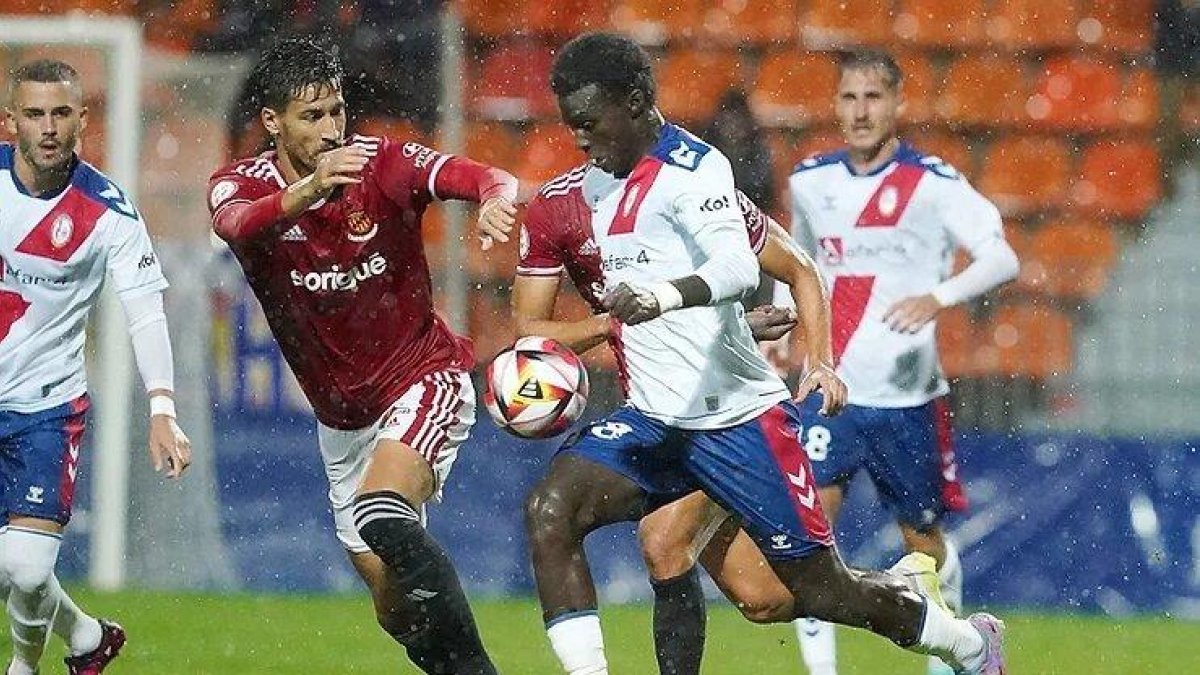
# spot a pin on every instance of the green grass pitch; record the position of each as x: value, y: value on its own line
x: 277, y: 635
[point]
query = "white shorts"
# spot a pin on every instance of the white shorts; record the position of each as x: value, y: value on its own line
x: 433, y: 417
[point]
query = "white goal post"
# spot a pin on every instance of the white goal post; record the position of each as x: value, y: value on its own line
x: 112, y: 381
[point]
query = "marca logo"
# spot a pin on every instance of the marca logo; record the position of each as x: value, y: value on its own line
x: 337, y: 279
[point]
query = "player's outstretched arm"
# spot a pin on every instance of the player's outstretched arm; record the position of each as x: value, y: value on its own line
x: 783, y: 260
x: 533, y: 302
x: 495, y: 190
x: 170, y: 448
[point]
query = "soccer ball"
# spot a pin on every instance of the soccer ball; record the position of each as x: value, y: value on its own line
x: 536, y: 388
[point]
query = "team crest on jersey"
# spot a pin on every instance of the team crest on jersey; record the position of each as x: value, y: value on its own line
x: 61, y: 230
x: 220, y: 192
x: 362, y: 228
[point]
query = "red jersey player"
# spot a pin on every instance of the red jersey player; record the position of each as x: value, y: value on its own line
x: 328, y: 233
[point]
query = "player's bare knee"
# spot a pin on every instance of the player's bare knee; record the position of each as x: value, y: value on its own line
x: 548, y: 508
x: 766, y: 609
x: 666, y: 556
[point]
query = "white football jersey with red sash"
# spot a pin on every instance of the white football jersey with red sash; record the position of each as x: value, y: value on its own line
x: 54, y: 253
x: 879, y: 238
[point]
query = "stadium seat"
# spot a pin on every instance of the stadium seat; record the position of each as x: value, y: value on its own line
x: 1076, y: 256
x: 514, y: 83
x: 89, y: 62
x: 566, y: 18
x: 492, y: 143
x: 1076, y: 93
x: 1138, y: 107
x: 815, y: 142
x: 941, y: 23
x: 953, y: 149
x: 1033, y: 24
x: 833, y: 24
x: 739, y: 21
x: 1118, y: 179
x: 396, y: 128
x: 174, y: 26
x: 181, y: 148
x: 988, y: 90
x: 498, y: 263
x: 1024, y: 174
x: 93, y: 140
x: 958, y: 340
x: 1030, y: 341
x: 549, y: 150
x: 653, y: 22
x: 494, y: 18
x: 691, y: 81
x: 920, y: 86
x: 1189, y: 110
x: 490, y: 323
x: 1122, y: 25
x: 795, y: 89
x: 433, y: 229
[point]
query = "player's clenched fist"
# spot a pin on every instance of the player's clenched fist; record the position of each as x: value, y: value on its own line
x: 631, y: 305
x: 336, y: 167
x: 496, y: 219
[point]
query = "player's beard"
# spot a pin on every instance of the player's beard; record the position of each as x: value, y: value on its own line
x: 57, y: 163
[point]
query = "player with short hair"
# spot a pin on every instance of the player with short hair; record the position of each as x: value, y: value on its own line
x: 706, y: 411
x: 556, y: 237
x: 328, y: 233
x: 63, y: 225
x: 883, y: 221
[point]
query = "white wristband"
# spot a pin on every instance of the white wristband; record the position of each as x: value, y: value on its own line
x: 668, y: 296
x: 162, y: 405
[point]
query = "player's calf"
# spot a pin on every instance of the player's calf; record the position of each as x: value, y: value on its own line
x: 433, y: 621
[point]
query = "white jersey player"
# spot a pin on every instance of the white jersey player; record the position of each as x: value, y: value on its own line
x: 706, y: 411
x: 63, y: 227
x: 883, y: 222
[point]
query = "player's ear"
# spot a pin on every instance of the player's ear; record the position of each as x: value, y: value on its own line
x: 638, y: 103
x: 10, y: 121
x: 83, y: 117
x: 270, y: 121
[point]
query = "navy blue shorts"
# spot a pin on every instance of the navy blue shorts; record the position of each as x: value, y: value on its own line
x: 39, y: 460
x: 908, y: 453
x: 757, y: 470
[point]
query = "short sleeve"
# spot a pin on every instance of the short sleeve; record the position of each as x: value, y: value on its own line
x: 539, y: 255
x: 131, y: 259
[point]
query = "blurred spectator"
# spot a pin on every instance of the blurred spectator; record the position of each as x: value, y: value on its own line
x: 1177, y: 57
x: 393, y: 55
x: 734, y: 131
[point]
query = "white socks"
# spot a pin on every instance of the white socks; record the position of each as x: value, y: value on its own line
x: 27, y: 558
x: 951, y: 576
x: 955, y: 640
x: 818, y: 645
x: 579, y: 644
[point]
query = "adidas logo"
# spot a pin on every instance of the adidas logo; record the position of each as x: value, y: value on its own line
x: 294, y: 234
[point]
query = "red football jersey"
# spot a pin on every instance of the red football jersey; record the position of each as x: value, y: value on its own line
x: 557, y: 235
x: 345, y: 287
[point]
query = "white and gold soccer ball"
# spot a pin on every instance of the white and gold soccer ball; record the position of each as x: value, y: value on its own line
x: 536, y: 388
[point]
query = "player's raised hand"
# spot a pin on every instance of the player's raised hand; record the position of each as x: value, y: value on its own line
x: 497, y: 216
x: 169, y: 446
x: 769, y: 323
x: 631, y: 305
x: 833, y: 389
x: 340, y: 166
x: 911, y: 314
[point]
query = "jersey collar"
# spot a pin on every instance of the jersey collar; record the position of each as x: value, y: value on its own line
x: 8, y: 163
x: 904, y: 152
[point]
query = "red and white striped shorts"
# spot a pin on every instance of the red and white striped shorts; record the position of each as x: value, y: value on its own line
x: 433, y: 417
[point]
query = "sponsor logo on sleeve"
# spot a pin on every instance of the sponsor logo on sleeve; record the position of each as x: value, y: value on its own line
x: 420, y: 155
x: 221, y: 192
x: 714, y: 204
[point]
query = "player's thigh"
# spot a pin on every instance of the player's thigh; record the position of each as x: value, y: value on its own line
x: 40, y: 455
x: 906, y: 465
x: 759, y: 471
x: 673, y: 535
x: 743, y: 574
x: 835, y: 445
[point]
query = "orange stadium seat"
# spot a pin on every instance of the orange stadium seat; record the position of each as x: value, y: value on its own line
x: 832, y: 24
x: 654, y: 22
x: 691, y: 81
x: 94, y: 138
x: 396, y: 128
x: 987, y: 90
x: 1030, y: 341
x: 1020, y: 240
x: 738, y: 21
x: 567, y: 17
x: 1118, y: 179
x: 514, y: 83
x: 1036, y: 24
x: 1138, y: 107
x: 489, y: 323
x: 941, y: 23
x: 1077, y: 257
x: 549, y: 150
x: 174, y: 26
x: 920, y: 86
x: 89, y: 62
x: 1122, y: 25
x: 953, y: 149
x: 958, y: 340
x: 795, y: 88
x: 1076, y: 93
x: 1189, y: 110
x: 492, y: 143
x: 498, y: 263
x: 493, y: 18
x: 433, y: 229
x: 1024, y: 174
